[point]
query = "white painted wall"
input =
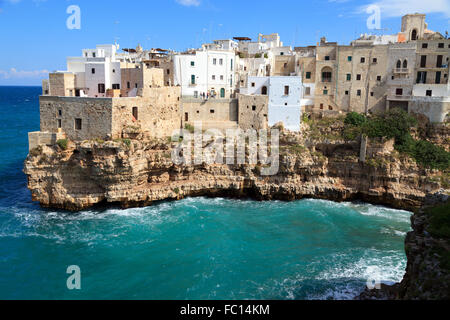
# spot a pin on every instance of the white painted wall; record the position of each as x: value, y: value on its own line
x: 213, y: 70
x: 438, y: 90
x: 283, y: 107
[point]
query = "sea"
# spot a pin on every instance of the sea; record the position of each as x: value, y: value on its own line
x: 196, y: 248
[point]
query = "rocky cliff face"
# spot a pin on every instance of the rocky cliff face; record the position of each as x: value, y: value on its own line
x: 427, y: 249
x: 137, y: 173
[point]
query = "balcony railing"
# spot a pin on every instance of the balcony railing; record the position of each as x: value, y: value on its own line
x: 401, y: 70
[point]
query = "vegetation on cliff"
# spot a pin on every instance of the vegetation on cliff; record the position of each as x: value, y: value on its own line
x: 397, y: 124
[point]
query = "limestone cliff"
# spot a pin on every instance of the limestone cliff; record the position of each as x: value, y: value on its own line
x: 137, y: 173
x: 427, y: 249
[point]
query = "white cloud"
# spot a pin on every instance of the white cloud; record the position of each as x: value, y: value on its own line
x: 189, y: 3
x: 13, y: 73
x: 397, y: 8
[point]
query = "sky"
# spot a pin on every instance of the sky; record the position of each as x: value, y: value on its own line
x: 35, y: 39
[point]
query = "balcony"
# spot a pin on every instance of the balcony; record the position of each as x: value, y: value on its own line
x: 401, y: 70
x: 399, y: 98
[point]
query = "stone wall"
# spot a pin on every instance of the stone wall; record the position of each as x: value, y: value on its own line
x: 95, y: 115
x: 213, y: 113
x: 435, y: 108
x: 62, y: 84
x: 158, y: 113
x: 253, y: 111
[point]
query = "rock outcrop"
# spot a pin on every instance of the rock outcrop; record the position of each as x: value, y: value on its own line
x: 137, y: 173
x: 427, y: 274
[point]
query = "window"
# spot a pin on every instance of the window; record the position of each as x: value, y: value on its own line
x: 128, y: 85
x: 193, y: 79
x: 414, y: 35
x: 116, y: 86
x: 168, y: 71
x: 186, y: 116
x: 264, y: 90
x: 358, y: 77
x: 136, y: 85
x: 214, y: 61
x: 429, y: 93
x: 349, y: 58
x: 93, y: 54
x: 93, y: 70
x: 440, y: 45
x: 221, y: 77
x: 192, y: 64
x: 327, y: 58
x: 399, y: 64
x: 254, y: 108
x: 59, y: 123
x: 326, y: 74
x: 405, y: 64
x: 321, y: 106
x: 222, y: 92
x: 325, y: 92
x: 307, y: 91
x: 135, y: 113
x: 211, y: 111
x: 346, y: 92
x: 78, y: 124
x: 308, y: 75
x: 285, y: 65
x: 371, y: 94
x: 349, y: 77
x: 439, y: 61
x: 253, y: 84
x: 101, y: 88
x: 214, y: 77
x: 221, y: 61
x: 60, y: 112
x: 114, y: 70
x: 363, y: 60
x: 375, y: 60
x: 231, y: 63
x: 423, y: 61
x: 421, y: 77
x: 424, y: 45
x: 438, y: 77
x: 378, y: 78
x: 286, y: 90
x: 399, y: 92
x: 358, y: 93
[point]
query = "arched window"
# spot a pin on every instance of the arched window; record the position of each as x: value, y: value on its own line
x: 405, y: 64
x: 264, y: 90
x: 399, y: 64
x: 414, y: 35
x: 327, y: 74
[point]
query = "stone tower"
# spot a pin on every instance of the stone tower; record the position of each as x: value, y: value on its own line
x: 413, y: 26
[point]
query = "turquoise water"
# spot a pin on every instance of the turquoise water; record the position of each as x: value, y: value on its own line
x: 191, y: 249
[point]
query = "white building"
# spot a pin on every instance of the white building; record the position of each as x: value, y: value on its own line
x: 206, y: 71
x: 285, y: 98
x: 96, y: 71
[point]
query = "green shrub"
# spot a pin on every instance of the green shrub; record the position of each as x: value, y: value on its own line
x: 127, y: 142
x: 266, y: 56
x: 355, y: 119
x: 351, y: 133
x: 431, y: 156
x: 258, y: 55
x: 62, y: 143
x: 189, y: 127
x: 439, y: 220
